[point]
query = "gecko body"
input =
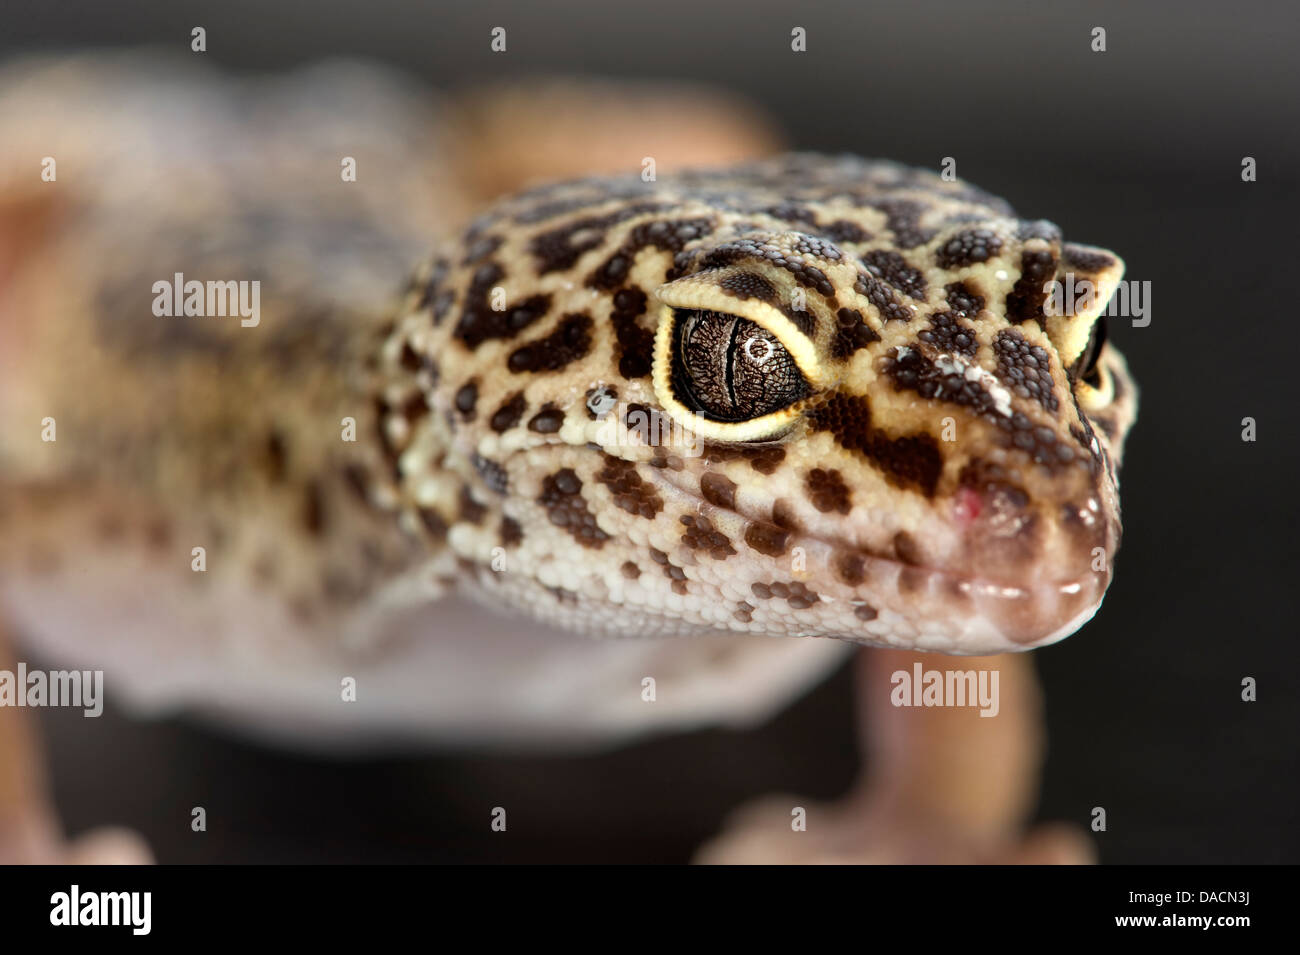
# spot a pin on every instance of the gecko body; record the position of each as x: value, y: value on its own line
x: 803, y: 398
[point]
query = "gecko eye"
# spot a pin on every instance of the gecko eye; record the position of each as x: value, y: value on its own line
x: 728, y: 369
x: 1085, y: 367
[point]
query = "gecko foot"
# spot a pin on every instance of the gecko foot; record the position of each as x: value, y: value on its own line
x: 872, y: 831
x: 32, y: 841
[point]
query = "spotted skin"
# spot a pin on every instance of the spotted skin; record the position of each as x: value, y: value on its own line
x: 946, y: 481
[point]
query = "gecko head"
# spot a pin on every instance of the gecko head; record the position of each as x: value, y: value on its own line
x: 811, y: 396
x: 918, y: 438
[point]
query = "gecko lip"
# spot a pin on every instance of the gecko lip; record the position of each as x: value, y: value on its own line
x: 950, y: 609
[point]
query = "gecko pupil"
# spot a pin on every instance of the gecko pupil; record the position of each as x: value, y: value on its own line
x: 728, y: 368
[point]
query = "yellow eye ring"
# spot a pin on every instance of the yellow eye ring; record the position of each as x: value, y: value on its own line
x: 701, y: 294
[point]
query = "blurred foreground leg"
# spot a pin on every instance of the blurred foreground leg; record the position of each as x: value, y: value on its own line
x: 29, y: 831
x: 943, y: 784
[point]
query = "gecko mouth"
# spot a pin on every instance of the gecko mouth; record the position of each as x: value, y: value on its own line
x: 895, y: 598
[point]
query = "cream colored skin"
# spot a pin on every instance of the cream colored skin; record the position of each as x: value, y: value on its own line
x: 97, y: 529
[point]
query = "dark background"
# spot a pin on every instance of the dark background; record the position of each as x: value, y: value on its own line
x: 1139, y: 149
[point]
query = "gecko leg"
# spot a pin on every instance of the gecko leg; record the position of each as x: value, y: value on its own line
x: 943, y: 784
x: 29, y: 829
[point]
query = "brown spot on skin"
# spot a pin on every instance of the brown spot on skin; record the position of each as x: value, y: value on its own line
x: 437, y: 275
x: 566, y: 508
x: 467, y: 398
x: 560, y: 248
x: 910, y: 461
x: 743, y: 612
x: 432, y: 522
x: 313, y: 509
x: 968, y: 247
x: 947, y: 334
x: 479, y: 322
x: 1025, y: 300
x: 493, y: 474
x: 630, y: 570
x: 511, y: 532
x: 964, y: 299
x: 795, y: 214
x: 635, y: 341
x: 480, y: 248
x: 882, y: 299
x: 842, y: 230
x: 1025, y: 368
x: 766, y: 460
x: 442, y: 306
x: 799, y: 596
x: 903, y: 218
x: 914, y: 372
x: 783, y: 515
x: 508, y: 415
x: 667, y: 235
x: 408, y: 358
x: 752, y: 249
x: 511, y: 321
x: 748, y: 285
x: 719, y: 490
x: 471, y: 511
x: 894, y: 269
x: 852, y: 333
x: 908, y: 551
x: 547, y: 421
x: 851, y: 568
x: 865, y: 612
x: 827, y: 491
x: 631, y: 492
x: 761, y: 591
x: 277, y: 457
x: 568, y: 343
x: 414, y: 408
x: 767, y: 539
x: 641, y: 418
x: 1085, y: 260
x: 700, y: 535
x: 671, y: 570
